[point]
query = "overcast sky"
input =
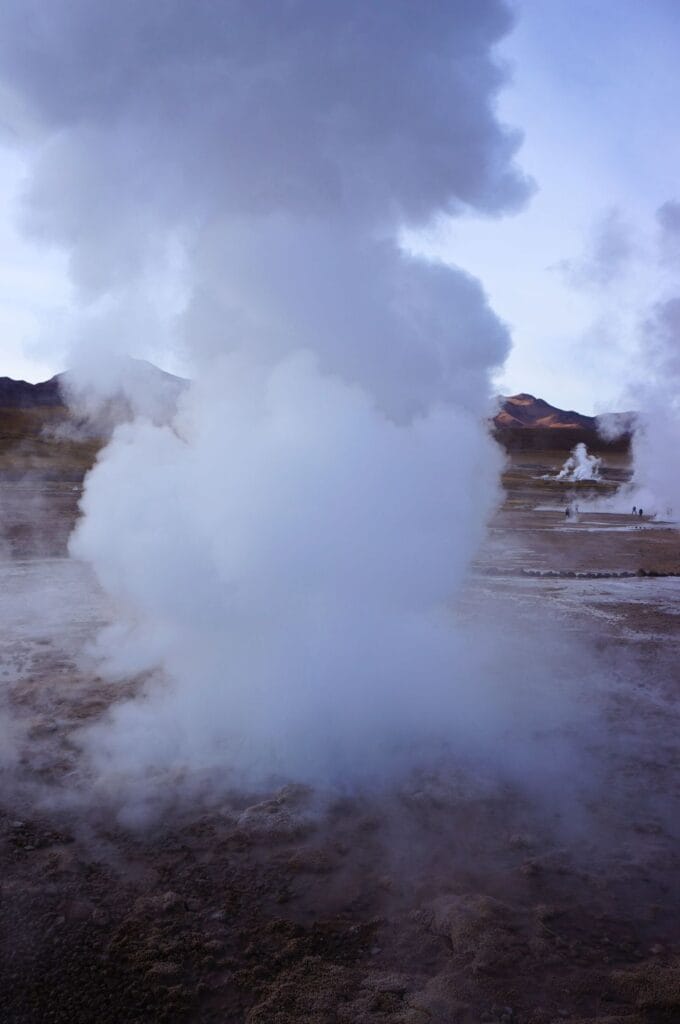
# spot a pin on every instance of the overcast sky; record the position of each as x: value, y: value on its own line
x: 596, y: 91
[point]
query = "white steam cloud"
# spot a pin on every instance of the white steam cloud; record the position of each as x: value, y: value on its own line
x: 282, y: 554
x: 655, y: 485
x: 580, y: 465
x: 652, y: 319
x: 656, y: 441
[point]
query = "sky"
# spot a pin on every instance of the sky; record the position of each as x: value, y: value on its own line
x: 595, y: 89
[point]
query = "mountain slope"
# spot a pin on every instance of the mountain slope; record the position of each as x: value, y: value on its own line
x: 524, y: 422
x: 524, y: 410
x: 20, y: 394
x: 55, y: 429
x: 128, y: 380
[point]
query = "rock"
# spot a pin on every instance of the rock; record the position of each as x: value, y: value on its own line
x: 391, y: 981
x: 100, y: 917
x: 81, y: 910
x: 440, y: 1000
x: 311, y: 990
x: 168, y: 901
x: 163, y: 969
x: 482, y: 931
x: 545, y: 912
x: 654, y: 987
x: 277, y: 819
x: 313, y: 862
x: 161, y: 904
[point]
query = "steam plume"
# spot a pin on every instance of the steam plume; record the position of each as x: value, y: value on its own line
x: 282, y: 555
x: 655, y: 485
x: 580, y: 465
x: 654, y: 323
x: 656, y: 441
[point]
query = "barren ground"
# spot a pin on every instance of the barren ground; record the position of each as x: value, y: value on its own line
x: 447, y: 900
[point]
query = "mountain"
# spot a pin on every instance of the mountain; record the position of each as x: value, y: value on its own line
x: 526, y: 411
x: 55, y: 429
x: 524, y: 422
x: 100, y: 397
x: 128, y: 382
x: 20, y: 394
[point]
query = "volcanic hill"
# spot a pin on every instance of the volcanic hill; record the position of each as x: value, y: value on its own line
x: 526, y: 423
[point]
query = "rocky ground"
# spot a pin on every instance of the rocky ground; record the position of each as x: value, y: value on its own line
x: 544, y: 895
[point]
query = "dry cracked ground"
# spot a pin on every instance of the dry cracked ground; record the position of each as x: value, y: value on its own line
x: 539, y: 889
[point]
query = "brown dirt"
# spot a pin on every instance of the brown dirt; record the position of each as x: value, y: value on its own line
x: 434, y: 902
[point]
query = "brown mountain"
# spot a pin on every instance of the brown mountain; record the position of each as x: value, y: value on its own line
x: 524, y: 422
x: 526, y: 411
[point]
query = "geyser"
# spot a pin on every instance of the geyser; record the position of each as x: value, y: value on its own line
x: 580, y: 465
x: 656, y: 439
x: 283, y: 555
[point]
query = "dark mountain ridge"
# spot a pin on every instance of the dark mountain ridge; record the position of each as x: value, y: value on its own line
x: 523, y: 422
x: 20, y: 394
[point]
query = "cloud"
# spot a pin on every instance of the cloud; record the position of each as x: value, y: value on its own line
x: 656, y: 441
x: 607, y: 256
x: 159, y: 116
